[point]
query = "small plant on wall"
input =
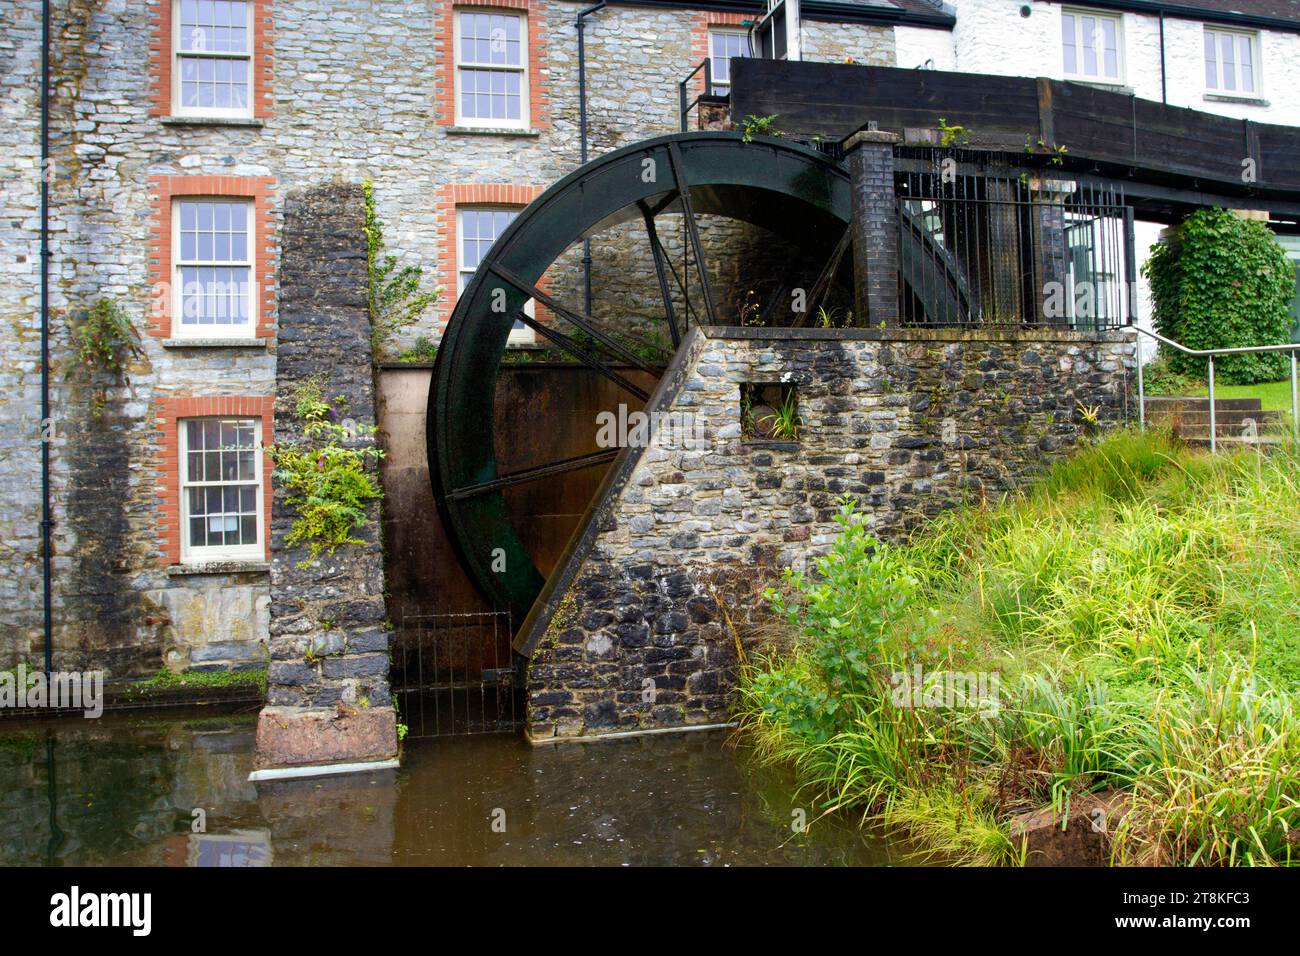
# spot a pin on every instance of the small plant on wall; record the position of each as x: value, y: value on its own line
x: 396, y: 296
x: 769, y: 412
x: 752, y: 126
x: 325, y: 476
x: 105, y: 341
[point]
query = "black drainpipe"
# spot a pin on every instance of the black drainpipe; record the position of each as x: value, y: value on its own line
x: 1164, y: 96
x: 582, y: 134
x: 46, y: 433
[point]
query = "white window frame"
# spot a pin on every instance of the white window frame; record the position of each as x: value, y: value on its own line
x: 1120, y: 65
x: 725, y: 85
x: 199, y: 330
x: 524, y: 336
x: 178, y: 104
x: 525, y: 102
x: 205, y: 554
x: 1256, y: 73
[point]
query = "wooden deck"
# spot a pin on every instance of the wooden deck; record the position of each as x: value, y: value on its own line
x: 1169, y: 157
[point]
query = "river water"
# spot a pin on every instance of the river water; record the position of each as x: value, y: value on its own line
x: 167, y: 790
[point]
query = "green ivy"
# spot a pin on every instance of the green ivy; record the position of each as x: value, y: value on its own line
x: 325, y: 476
x: 395, y: 296
x: 105, y: 340
x: 1221, y: 281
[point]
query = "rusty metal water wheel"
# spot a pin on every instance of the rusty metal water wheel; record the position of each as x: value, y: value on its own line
x: 797, y: 194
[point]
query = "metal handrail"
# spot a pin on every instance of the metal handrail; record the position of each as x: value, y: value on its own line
x: 707, y: 66
x: 1209, y: 355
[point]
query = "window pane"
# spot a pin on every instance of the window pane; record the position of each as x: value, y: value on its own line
x: 215, y: 26
x: 225, y: 514
x: 1110, y: 49
x: 1229, y: 62
x: 1211, y: 62
x: 1089, y: 45
x: 1068, y: 27
x: 1246, y: 57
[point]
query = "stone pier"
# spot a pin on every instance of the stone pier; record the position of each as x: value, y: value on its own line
x: 328, y: 706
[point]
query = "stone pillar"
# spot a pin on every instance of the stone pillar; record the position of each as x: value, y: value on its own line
x: 1051, y: 257
x: 328, y: 705
x: 870, y: 155
x: 1003, y: 294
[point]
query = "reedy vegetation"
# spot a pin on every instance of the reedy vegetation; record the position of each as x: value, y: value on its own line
x: 1141, y: 604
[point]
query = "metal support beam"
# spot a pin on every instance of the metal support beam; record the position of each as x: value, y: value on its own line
x: 583, y: 322
x: 657, y: 253
x: 535, y: 473
x: 827, y: 276
x: 693, y: 233
x: 582, y: 355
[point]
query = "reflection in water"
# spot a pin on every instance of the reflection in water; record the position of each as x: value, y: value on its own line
x: 124, y: 789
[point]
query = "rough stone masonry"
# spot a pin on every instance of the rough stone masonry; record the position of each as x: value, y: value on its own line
x: 327, y: 686
x: 631, y: 634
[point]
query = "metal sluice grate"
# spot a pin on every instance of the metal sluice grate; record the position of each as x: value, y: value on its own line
x: 453, y: 674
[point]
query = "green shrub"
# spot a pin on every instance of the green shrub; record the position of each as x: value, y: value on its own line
x: 325, y: 476
x: 1221, y: 281
x: 1140, y: 606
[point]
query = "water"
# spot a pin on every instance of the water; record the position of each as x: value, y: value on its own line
x: 124, y: 790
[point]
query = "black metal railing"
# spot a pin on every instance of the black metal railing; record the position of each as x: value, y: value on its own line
x: 453, y: 673
x: 684, y: 101
x: 1010, y: 245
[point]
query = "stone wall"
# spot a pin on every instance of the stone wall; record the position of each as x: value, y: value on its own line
x: 909, y: 422
x: 356, y: 92
x: 329, y: 634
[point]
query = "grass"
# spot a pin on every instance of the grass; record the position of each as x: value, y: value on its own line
x: 1274, y: 396
x: 1139, y: 607
x: 166, y: 680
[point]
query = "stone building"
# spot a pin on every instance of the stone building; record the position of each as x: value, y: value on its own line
x: 177, y: 129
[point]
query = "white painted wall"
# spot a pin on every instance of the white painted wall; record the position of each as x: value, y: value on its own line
x: 922, y: 47
x: 992, y: 37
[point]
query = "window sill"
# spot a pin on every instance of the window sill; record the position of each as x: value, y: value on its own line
x: 492, y: 131
x: 197, y: 343
x: 1102, y: 85
x: 218, y: 567
x: 1243, y: 100
x: 247, y: 122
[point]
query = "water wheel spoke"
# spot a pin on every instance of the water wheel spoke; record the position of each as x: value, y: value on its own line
x: 536, y: 472
x: 692, y: 229
x: 584, y: 322
x: 657, y: 254
x: 769, y: 310
x: 571, y: 345
x: 826, y: 277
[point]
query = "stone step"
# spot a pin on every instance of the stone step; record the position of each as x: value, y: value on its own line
x: 1225, y: 417
x: 1201, y: 439
x: 1191, y: 403
x: 1225, y: 430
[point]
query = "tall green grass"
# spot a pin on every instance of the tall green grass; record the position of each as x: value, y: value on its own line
x: 1141, y: 605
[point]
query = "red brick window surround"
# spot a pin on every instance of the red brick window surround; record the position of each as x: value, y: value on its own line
x: 220, y: 54
x: 250, y: 243
x: 703, y: 25
x: 172, y: 415
x: 505, y: 62
x: 452, y: 201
